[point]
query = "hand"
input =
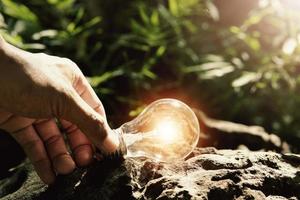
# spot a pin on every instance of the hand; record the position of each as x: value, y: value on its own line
x: 35, y: 91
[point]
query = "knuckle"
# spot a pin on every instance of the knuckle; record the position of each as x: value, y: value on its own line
x: 31, y: 146
x: 71, y: 129
x: 20, y: 129
x: 40, y: 160
x: 71, y: 70
x: 53, y: 140
x: 66, y: 60
x: 69, y: 63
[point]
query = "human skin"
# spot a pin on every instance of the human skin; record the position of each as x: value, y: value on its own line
x: 36, y: 91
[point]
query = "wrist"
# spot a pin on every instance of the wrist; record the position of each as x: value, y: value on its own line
x: 11, y: 55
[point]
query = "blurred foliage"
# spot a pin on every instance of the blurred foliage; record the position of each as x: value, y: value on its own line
x: 136, y: 51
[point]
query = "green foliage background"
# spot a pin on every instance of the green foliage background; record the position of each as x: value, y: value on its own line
x: 134, y: 52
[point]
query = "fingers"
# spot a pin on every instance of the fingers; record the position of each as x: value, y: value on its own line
x: 79, y: 111
x: 80, y: 84
x: 36, y: 152
x: 51, y: 136
x: 90, y: 122
x: 87, y: 93
x: 79, y: 143
x: 12, y: 123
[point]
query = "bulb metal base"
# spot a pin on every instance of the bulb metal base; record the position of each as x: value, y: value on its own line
x: 122, y: 149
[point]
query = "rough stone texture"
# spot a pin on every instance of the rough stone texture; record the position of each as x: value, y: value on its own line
x: 207, y: 174
x: 228, y: 135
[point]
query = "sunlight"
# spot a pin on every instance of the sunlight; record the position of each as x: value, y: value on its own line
x: 291, y: 4
x: 288, y: 4
x: 289, y: 46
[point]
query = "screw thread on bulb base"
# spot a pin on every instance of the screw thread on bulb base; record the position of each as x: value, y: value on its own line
x: 121, y: 151
x: 122, y: 145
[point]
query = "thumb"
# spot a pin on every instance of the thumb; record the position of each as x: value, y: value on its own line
x: 91, y: 123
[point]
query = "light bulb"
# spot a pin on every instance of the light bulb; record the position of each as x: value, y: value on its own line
x: 167, y: 130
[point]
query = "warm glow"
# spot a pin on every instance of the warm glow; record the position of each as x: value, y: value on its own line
x: 167, y: 130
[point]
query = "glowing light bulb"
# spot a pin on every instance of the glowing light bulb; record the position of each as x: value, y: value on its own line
x: 167, y: 130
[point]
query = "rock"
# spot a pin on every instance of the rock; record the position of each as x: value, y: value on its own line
x: 207, y: 174
x: 228, y: 135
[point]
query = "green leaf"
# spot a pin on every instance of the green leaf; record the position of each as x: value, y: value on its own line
x: 79, y: 15
x: 13, y: 39
x: 154, y: 18
x: 143, y: 15
x: 245, y: 79
x: 18, y: 11
x: 61, y: 4
x: 254, y: 19
x: 212, y: 58
x: 2, y: 22
x: 207, y: 66
x: 160, y: 51
x: 173, y: 7
x: 235, y: 29
x: 211, y: 69
x: 45, y: 33
x: 34, y: 46
x: 216, y: 72
x: 253, y: 43
x: 97, y: 80
x: 79, y: 29
x: 213, y: 10
x: 180, y: 8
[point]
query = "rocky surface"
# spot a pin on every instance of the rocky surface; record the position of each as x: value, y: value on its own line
x: 207, y: 174
x: 228, y: 135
